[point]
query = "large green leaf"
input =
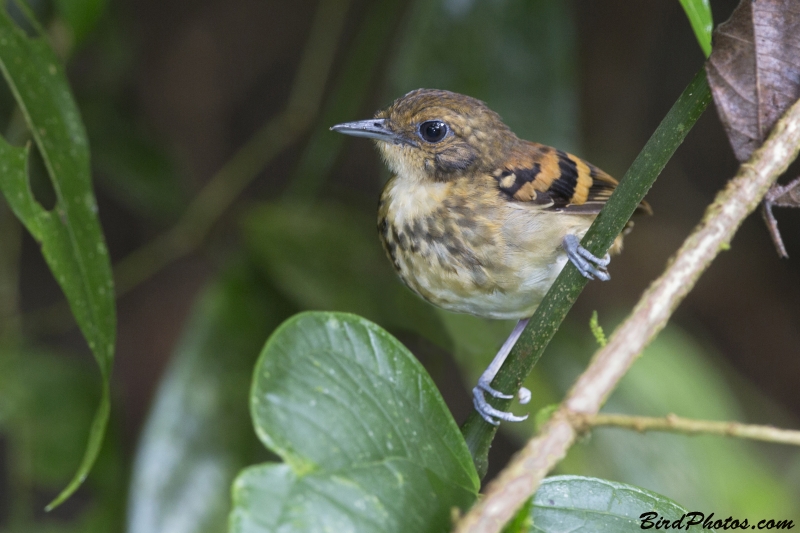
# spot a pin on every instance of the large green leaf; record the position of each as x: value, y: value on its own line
x: 198, y: 435
x: 69, y: 234
x: 369, y: 444
x: 699, y: 14
x: 587, y: 505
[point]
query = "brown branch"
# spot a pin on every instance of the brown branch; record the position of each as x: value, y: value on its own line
x: 521, y: 478
x: 674, y: 423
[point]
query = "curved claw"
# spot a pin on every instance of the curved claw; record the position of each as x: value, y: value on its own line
x: 588, y: 264
x: 484, y: 385
x: 489, y: 413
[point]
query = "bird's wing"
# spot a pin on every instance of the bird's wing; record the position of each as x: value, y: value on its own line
x: 555, y: 180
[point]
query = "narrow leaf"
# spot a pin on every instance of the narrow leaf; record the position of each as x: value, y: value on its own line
x: 46, y: 406
x: 70, y: 236
x: 699, y: 14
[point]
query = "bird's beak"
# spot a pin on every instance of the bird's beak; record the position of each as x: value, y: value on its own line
x: 375, y: 128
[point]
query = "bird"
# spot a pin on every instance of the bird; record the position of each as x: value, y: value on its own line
x: 476, y: 220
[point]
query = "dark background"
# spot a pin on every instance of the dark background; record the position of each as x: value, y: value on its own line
x: 170, y: 92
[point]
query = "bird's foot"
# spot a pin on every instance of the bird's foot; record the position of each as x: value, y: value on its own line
x: 489, y: 413
x: 589, y: 265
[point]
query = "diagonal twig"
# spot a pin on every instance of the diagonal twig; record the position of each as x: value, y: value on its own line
x: 569, y: 284
x: 521, y: 478
x: 688, y: 426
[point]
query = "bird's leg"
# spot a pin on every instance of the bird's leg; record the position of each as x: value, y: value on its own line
x: 489, y: 413
x: 588, y: 264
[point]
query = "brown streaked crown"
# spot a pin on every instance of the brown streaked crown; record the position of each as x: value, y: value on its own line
x: 476, y: 138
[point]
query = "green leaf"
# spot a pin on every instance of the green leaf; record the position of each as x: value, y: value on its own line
x: 70, y: 236
x: 328, y: 257
x: 198, y: 437
x: 586, y: 505
x: 699, y: 13
x: 392, y: 495
x: 369, y: 444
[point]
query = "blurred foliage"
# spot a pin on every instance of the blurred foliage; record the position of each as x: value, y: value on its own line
x: 132, y: 167
x: 327, y: 257
x: 46, y: 405
x: 346, y: 98
x: 314, y: 254
x: 520, y: 56
x: 130, y: 162
x: 198, y: 435
x: 81, y: 16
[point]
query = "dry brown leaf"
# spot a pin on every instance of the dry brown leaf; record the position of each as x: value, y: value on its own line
x: 754, y: 74
x: 731, y: 71
x: 776, y: 26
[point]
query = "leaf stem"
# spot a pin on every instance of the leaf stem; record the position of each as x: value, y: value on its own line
x: 521, y: 478
x: 569, y: 284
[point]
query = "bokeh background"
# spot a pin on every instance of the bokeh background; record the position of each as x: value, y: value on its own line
x: 228, y: 206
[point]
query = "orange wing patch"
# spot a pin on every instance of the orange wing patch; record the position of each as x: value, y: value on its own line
x: 546, y: 176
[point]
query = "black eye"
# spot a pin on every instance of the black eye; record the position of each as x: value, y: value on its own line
x: 433, y: 131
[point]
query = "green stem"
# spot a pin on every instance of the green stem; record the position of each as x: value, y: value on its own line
x: 569, y: 284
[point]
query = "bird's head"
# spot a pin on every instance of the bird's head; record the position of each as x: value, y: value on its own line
x: 436, y: 135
